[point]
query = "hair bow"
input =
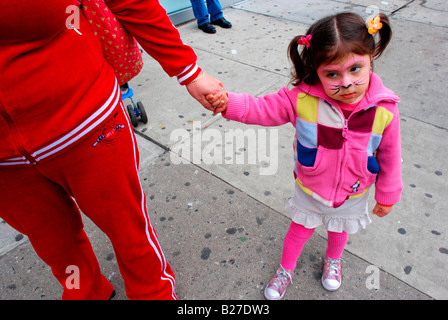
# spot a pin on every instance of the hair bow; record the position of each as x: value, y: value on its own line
x: 374, y: 25
x: 305, y: 41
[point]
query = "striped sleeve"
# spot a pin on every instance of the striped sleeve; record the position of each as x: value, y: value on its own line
x: 189, y: 74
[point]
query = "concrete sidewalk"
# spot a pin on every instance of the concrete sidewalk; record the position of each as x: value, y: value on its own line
x: 222, y: 224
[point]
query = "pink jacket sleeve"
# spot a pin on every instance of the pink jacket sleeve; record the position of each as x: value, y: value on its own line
x: 270, y: 110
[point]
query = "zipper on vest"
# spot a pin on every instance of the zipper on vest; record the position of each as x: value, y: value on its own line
x: 345, y: 129
x: 13, y: 129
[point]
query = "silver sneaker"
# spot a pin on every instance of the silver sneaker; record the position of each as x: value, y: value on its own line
x: 276, y: 289
x: 332, y: 276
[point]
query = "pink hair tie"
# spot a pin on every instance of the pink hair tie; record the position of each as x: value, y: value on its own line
x: 305, y: 41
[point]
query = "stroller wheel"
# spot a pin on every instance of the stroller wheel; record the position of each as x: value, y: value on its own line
x: 142, y: 112
x: 132, y: 115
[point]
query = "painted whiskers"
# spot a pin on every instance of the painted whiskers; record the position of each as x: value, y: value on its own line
x: 337, y: 88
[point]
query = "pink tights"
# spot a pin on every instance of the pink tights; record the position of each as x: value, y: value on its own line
x: 298, y: 235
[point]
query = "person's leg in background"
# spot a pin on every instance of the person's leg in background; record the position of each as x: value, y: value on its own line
x: 215, y: 10
x: 216, y: 14
x: 201, y: 14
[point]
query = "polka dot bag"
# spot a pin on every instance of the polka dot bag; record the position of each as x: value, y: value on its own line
x: 120, y: 48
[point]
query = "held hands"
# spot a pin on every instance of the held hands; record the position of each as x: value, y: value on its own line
x: 218, y: 101
x: 209, y: 92
x: 203, y: 88
x: 381, y: 210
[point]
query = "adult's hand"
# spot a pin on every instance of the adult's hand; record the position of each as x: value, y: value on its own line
x: 204, y: 85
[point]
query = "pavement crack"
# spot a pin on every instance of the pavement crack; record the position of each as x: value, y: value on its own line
x: 144, y: 136
x: 402, y: 7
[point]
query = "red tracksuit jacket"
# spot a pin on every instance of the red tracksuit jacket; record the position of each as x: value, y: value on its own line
x: 55, y: 86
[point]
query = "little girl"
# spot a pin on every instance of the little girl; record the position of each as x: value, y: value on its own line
x: 347, y: 137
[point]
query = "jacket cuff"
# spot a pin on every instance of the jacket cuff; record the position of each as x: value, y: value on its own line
x: 236, y: 107
x: 386, y: 205
x: 389, y: 198
x: 189, y: 74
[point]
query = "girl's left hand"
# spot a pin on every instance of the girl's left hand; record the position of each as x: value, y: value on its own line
x: 381, y: 211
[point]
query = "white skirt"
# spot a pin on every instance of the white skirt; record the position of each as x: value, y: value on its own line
x: 350, y: 217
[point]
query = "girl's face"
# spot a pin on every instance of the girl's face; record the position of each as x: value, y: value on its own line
x: 347, y: 79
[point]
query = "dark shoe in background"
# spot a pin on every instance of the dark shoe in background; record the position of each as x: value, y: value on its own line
x: 223, y: 23
x: 207, y: 28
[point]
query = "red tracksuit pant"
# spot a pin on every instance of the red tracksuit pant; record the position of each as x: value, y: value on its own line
x: 101, y: 174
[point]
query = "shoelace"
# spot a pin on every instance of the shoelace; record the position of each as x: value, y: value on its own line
x: 332, y: 267
x: 282, y: 276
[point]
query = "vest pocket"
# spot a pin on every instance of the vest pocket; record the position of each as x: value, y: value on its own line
x: 358, y: 174
x: 323, y: 162
x: 306, y: 156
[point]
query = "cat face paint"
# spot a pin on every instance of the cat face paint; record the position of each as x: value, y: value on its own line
x: 346, y: 79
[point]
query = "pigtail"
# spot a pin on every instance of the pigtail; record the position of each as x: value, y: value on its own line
x: 296, y: 60
x: 385, y: 35
x: 301, y: 71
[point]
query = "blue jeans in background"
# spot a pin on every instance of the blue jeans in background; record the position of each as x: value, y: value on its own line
x: 202, y: 12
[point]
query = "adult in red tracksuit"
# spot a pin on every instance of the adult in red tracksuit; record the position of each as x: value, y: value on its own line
x: 66, y: 144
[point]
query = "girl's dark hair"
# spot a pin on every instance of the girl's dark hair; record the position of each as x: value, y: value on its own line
x: 334, y: 37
